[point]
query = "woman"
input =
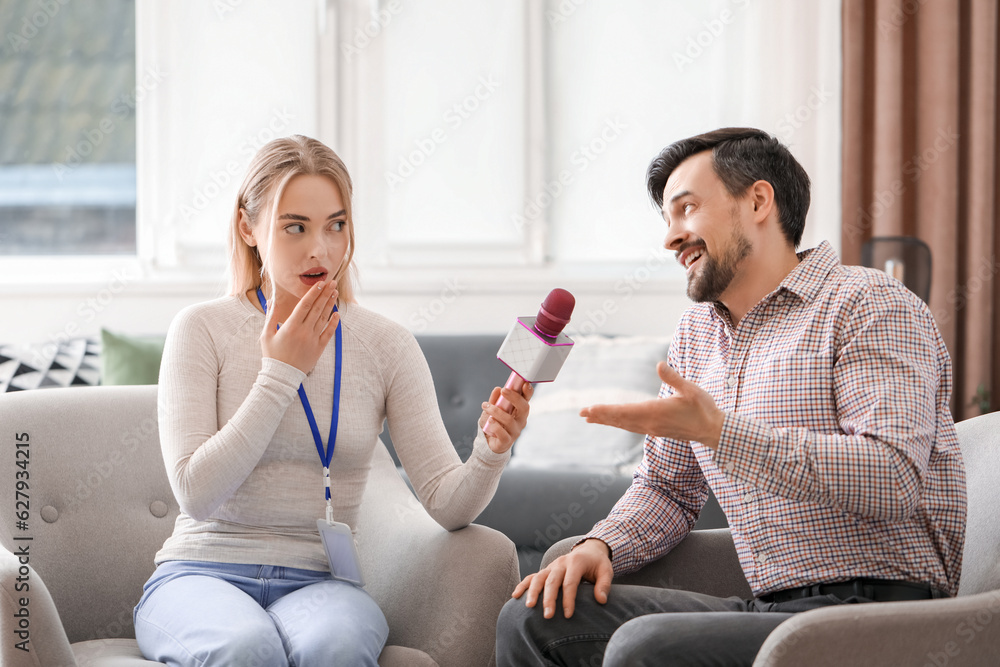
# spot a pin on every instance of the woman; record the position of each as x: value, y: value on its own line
x: 244, y: 579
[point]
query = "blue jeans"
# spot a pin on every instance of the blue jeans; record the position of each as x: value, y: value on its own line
x: 200, y: 613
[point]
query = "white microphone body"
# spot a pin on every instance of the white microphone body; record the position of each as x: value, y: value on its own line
x: 531, y: 356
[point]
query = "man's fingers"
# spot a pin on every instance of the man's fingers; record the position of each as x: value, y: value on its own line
x: 669, y: 375
x: 551, y: 592
x: 603, y: 584
x: 537, y: 583
x: 629, y: 416
x: 571, y: 582
x: 522, y: 586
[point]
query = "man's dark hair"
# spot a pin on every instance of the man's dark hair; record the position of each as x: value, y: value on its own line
x: 742, y: 156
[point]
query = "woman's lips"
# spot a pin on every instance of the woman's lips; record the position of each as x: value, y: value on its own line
x: 312, y: 277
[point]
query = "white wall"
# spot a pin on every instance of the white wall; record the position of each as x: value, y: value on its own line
x: 228, y: 80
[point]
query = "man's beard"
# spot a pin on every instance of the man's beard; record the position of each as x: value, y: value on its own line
x: 711, y: 280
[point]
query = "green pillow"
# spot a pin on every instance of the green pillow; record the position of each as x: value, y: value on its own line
x: 130, y: 359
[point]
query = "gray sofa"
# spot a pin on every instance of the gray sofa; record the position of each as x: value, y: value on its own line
x: 99, y: 507
x: 957, y: 632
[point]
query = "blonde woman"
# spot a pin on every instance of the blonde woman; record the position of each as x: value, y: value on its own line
x: 267, y: 427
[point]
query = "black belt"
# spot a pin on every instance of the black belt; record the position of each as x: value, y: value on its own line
x: 879, y: 590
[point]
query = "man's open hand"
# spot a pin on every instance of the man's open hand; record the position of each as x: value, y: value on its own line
x: 690, y: 413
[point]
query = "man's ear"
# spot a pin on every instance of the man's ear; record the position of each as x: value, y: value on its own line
x: 762, y: 199
x: 245, y: 231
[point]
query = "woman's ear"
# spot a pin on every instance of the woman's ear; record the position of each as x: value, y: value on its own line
x: 245, y: 231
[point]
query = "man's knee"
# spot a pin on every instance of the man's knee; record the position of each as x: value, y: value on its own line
x: 514, y: 619
x: 642, y: 641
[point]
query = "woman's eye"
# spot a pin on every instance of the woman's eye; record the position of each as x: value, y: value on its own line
x: 337, y: 225
x: 295, y: 229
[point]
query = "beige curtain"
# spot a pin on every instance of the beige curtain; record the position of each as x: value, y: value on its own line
x: 920, y: 158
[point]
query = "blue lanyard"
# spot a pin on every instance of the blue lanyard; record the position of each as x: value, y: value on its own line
x: 324, y: 456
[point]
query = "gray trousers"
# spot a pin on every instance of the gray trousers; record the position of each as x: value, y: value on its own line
x: 641, y: 625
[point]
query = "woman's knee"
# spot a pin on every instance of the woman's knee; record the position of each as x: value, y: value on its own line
x: 347, y: 629
x: 252, y: 647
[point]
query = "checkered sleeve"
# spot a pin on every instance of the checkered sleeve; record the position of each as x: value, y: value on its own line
x: 885, y: 376
x: 662, y: 505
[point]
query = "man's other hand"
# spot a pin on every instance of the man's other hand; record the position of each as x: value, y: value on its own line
x: 588, y: 561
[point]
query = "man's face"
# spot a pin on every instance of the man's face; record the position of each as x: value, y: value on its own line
x: 704, y: 228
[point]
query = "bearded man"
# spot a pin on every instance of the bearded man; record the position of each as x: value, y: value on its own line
x: 811, y: 397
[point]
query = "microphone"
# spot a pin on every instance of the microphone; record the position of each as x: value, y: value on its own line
x: 536, y: 347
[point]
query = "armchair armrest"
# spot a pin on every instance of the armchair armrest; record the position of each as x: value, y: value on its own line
x: 33, y: 613
x: 704, y: 562
x: 957, y: 632
x: 440, y: 591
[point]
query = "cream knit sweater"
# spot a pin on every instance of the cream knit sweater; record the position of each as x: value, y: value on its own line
x: 240, y: 455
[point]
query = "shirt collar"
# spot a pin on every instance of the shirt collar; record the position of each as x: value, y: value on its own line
x: 808, y: 277
x: 805, y: 280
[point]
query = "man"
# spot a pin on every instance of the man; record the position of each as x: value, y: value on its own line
x: 813, y: 398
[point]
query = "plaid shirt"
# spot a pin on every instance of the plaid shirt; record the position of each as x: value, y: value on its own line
x: 838, y: 456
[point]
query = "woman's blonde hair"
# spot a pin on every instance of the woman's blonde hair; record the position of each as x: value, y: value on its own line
x: 270, y: 171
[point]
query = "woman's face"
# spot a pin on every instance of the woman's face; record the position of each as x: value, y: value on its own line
x: 310, y: 236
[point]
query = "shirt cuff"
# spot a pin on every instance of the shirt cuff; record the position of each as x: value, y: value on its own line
x: 282, y: 373
x: 622, y: 544
x: 482, y: 451
x: 743, y: 447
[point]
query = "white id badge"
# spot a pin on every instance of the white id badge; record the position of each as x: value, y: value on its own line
x: 341, y: 551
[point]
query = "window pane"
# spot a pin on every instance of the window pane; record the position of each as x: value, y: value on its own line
x: 453, y: 123
x: 67, y: 127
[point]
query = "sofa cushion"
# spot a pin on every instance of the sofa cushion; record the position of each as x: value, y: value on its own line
x: 130, y: 359
x: 598, y: 370
x: 70, y: 362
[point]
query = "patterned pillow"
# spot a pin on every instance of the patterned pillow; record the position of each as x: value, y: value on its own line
x: 75, y: 361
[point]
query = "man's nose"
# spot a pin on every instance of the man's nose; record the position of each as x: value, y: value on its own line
x: 676, y: 236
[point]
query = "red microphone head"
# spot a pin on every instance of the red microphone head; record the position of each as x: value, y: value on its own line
x: 554, y: 314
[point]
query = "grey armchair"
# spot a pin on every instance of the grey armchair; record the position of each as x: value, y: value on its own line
x: 958, y: 632
x: 101, y: 506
